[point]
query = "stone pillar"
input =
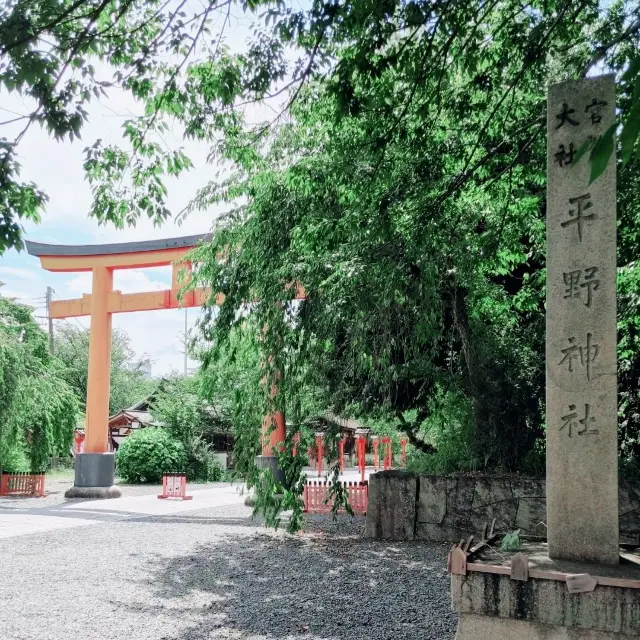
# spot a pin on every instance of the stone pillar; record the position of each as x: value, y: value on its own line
x: 95, y: 467
x: 581, y: 401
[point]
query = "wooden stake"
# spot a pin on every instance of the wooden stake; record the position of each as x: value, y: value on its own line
x: 458, y: 562
x: 520, y: 567
x: 468, y: 544
x: 581, y: 583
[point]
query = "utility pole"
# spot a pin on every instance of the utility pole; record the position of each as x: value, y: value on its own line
x: 185, y: 341
x: 50, y: 319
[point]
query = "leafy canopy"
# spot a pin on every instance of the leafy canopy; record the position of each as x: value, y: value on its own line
x: 38, y: 410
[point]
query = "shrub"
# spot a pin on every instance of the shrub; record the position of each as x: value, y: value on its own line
x: 148, y: 453
x: 14, y: 459
x: 215, y: 472
x: 450, y: 429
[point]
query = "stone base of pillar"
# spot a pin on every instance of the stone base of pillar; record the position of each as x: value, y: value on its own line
x: 270, y: 462
x: 94, y: 477
x: 493, y: 605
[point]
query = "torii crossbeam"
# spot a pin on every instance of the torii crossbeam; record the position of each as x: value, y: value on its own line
x: 95, y: 468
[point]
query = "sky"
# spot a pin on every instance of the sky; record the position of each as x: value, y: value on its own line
x: 56, y: 167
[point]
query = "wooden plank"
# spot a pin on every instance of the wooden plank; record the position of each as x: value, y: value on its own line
x: 489, y: 568
x: 581, y: 583
x: 520, y: 567
x: 625, y: 583
x: 483, y: 543
x: 468, y: 544
x: 458, y: 562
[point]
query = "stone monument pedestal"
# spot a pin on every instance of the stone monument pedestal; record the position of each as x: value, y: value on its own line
x: 553, y: 602
x: 94, y: 477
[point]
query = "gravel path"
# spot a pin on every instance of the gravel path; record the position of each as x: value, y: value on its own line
x: 216, y: 574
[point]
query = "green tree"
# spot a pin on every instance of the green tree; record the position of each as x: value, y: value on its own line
x: 128, y: 381
x: 406, y: 194
x: 38, y: 410
x: 193, y: 420
x: 62, y: 54
x: 400, y: 181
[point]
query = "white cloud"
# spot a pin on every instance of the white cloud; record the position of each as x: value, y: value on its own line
x: 18, y: 272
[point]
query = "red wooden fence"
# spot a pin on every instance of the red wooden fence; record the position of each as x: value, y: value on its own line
x: 316, y: 497
x: 174, y: 485
x: 22, y: 484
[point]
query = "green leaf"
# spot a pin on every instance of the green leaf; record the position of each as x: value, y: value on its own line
x: 511, y: 541
x: 601, y: 153
x: 630, y: 133
x: 584, y: 148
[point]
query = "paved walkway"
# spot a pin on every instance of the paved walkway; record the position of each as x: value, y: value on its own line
x: 81, y: 513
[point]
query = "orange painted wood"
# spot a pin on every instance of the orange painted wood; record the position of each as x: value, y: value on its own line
x: 136, y: 260
x: 316, y: 497
x: 96, y: 432
x: 273, y: 432
x: 174, y: 485
x: 103, y: 302
x: 22, y: 484
x: 128, y: 302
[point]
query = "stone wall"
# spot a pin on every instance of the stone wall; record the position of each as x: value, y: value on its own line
x: 405, y: 506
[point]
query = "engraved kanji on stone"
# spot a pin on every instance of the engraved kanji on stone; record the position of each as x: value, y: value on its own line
x: 574, y: 287
x: 563, y: 157
x: 565, y: 116
x: 571, y: 422
x: 577, y: 216
x: 584, y: 355
x: 594, y: 110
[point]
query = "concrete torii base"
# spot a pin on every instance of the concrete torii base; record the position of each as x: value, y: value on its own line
x: 94, y: 477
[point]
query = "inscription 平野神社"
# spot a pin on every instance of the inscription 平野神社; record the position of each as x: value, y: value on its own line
x: 582, y: 499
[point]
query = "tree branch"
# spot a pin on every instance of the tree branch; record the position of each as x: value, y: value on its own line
x: 411, y: 429
x: 602, y: 51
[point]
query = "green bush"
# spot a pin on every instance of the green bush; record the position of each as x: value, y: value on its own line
x: 13, y: 459
x: 450, y: 429
x: 215, y: 471
x: 148, y: 453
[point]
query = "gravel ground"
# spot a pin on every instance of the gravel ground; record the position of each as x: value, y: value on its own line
x: 215, y: 573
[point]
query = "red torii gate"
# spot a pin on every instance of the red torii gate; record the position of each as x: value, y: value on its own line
x: 95, y: 467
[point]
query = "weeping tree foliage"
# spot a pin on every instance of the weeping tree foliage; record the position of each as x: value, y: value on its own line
x: 400, y: 179
x: 38, y: 410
